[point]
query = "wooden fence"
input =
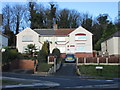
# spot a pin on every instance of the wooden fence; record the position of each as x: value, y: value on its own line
x: 98, y: 60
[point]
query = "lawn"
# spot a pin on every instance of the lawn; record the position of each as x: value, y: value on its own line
x: 44, y: 67
x: 107, y: 71
x: 8, y: 82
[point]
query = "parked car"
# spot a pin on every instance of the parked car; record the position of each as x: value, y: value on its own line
x: 70, y: 58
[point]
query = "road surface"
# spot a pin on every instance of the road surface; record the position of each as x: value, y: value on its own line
x: 67, y: 78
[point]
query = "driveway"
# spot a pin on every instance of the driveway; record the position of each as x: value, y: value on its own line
x: 67, y: 69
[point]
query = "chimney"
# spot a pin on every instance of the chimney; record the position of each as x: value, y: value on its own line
x: 55, y: 27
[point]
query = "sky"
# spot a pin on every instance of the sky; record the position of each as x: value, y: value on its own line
x: 93, y: 7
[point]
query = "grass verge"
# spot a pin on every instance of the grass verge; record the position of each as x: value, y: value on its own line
x: 9, y: 82
x: 107, y: 71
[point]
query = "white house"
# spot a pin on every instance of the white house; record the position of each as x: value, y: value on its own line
x: 111, y: 46
x: 3, y: 40
x: 77, y: 41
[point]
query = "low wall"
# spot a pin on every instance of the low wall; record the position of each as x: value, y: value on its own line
x: 83, y: 55
x: 22, y: 64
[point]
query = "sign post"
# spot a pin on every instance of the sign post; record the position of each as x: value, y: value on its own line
x: 99, y: 70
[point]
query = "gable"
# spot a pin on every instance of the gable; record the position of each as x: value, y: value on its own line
x: 81, y: 31
x: 27, y: 31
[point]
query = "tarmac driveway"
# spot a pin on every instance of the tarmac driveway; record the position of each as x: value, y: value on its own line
x: 67, y: 69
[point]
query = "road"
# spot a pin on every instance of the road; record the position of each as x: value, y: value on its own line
x: 67, y: 78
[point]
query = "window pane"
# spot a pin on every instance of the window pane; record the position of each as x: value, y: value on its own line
x: 27, y: 38
x: 80, y: 37
x: 80, y: 49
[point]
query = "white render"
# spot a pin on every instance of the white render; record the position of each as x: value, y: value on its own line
x: 112, y: 46
x: 27, y: 32
x: 3, y: 41
x: 66, y: 44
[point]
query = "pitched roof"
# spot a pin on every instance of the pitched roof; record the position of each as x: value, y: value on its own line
x: 51, y: 32
x: 116, y: 34
x: 47, y: 32
x: 63, y: 31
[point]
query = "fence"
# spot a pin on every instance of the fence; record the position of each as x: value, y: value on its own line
x: 98, y: 60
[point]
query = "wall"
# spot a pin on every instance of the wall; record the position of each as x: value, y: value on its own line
x: 112, y: 45
x: 21, y: 44
x: 3, y: 41
x: 87, y: 43
x: 22, y: 64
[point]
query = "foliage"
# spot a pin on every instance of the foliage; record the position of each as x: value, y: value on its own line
x: 45, y: 48
x: 30, y: 50
x: 9, y: 55
x: 16, y: 16
x: 56, y: 52
x: 42, y: 57
x: 44, y: 67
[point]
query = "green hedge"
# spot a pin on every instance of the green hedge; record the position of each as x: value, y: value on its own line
x: 9, y: 55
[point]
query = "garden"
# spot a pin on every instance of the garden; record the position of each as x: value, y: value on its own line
x: 40, y: 57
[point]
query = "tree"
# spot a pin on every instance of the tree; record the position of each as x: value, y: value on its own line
x: 31, y: 49
x: 14, y: 18
x: 56, y: 52
x: 45, y: 48
x: 19, y: 13
x: 74, y: 19
x: 32, y: 14
x: 7, y: 18
x: 86, y: 21
x: 41, y: 56
x: 63, y: 19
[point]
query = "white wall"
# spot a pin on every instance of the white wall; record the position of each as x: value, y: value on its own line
x: 3, y: 41
x: 62, y: 43
x: 112, y: 45
x: 86, y: 43
x: 21, y: 45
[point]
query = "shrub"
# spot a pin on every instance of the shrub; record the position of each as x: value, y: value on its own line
x: 56, y: 52
x: 42, y: 57
x: 9, y: 55
x: 30, y: 50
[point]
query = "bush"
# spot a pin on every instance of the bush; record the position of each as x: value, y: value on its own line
x: 56, y: 52
x: 42, y: 57
x: 9, y: 55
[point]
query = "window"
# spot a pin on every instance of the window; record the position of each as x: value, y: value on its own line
x: 60, y: 38
x: 80, y: 36
x: 27, y: 38
x: 80, y: 49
